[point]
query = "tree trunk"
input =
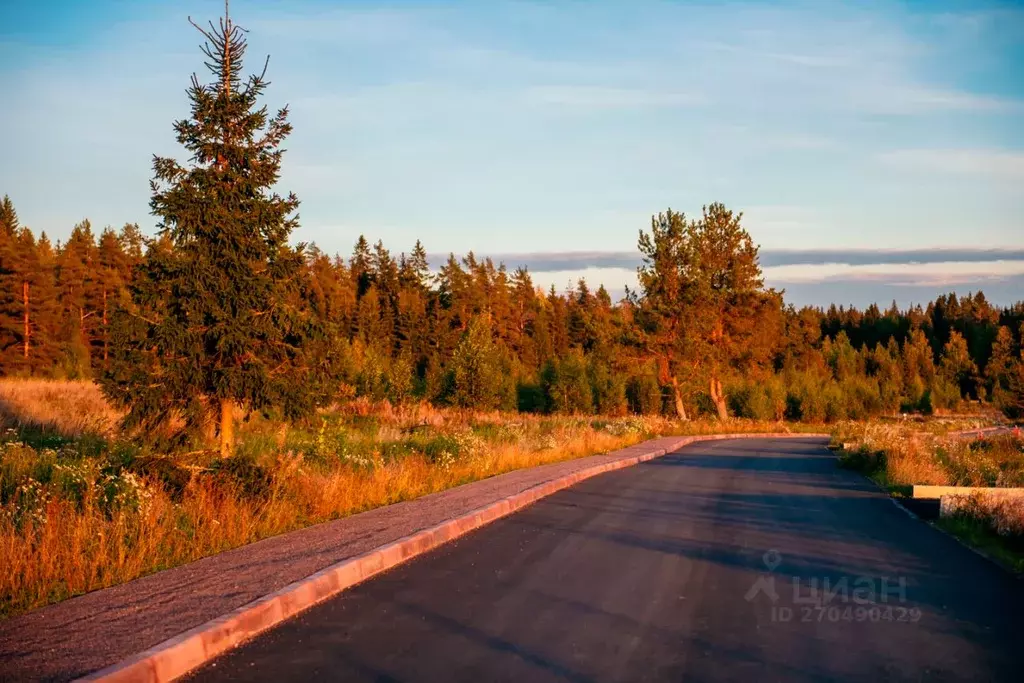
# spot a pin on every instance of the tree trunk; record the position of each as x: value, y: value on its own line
x: 677, y: 396
x: 106, y: 333
x: 227, y: 428
x: 718, y: 397
x: 28, y: 327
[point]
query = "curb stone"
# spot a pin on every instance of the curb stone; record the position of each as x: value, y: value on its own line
x: 187, y: 651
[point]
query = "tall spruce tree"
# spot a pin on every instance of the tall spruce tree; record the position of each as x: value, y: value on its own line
x: 215, y: 322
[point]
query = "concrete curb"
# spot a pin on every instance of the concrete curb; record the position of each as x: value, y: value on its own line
x: 177, y: 656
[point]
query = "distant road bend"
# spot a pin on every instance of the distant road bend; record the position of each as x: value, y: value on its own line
x: 753, y: 560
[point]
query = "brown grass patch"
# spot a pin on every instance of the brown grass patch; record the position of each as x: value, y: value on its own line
x: 68, y: 408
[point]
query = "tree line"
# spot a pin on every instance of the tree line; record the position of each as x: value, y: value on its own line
x: 220, y: 311
x: 57, y: 300
x: 474, y: 334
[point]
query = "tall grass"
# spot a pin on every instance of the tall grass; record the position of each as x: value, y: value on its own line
x: 69, y: 409
x: 80, y: 511
x: 904, y: 455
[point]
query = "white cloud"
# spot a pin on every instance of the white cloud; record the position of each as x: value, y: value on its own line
x: 918, y: 274
x: 905, y: 99
x: 990, y: 162
x: 614, y: 279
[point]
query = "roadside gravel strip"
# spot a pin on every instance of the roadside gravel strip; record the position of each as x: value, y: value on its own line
x: 161, y: 626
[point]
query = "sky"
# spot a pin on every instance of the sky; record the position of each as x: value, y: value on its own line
x: 875, y: 148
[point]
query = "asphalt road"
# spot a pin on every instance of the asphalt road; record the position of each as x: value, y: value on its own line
x: 752, y: 560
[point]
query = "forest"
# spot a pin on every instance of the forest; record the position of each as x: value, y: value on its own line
x: 472, y: 334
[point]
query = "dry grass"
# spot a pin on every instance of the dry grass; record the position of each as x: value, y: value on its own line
x: 59, y: 546
x: 66, y: 408
x: 1003, y: 514
x: 904, y: 455
x: 82, y: 514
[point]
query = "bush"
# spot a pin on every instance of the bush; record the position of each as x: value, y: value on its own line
x: 758, y: 400
x: 806, y: 400
x: 244, y: 475
x: 172, y: 477
x: 862, y: 398
x: 399, y: 380
x: 834, y: 403
x: 480, y: 376
x: 643, y: 395
x: 530, y: 397
x: 608, y: 389
x: 863, y: 459
x: 566, y: 385
x: 945, y: 395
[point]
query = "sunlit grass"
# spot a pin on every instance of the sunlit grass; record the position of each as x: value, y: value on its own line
x: 81, y: 508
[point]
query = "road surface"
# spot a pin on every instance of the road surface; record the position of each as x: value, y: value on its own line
x: 753, y: 560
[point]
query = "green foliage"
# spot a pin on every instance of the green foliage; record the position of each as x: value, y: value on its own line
x: 566, y: 385
x: 863, y: 459
x: 479, y: 377
x: 643, y: 394
x: 956, y: 368
x: 216, y: 316
x: 244, y: 475
x: 702, y: 307
x: 530, y: 397
x: 608, y: 388
x: 1012, y: 400
x: 765, y: 400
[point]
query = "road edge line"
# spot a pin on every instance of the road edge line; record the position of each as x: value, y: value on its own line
x: 177, y: 656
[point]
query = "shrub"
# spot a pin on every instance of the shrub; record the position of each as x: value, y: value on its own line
x: 530, y: 397
x: 608, y: 388
x: 944, y: 394
x: 861, y: 397
x: 757, y: 400
x: 834, y: 403
x: 399, y: 380
x: 566, y: 385
x: 862, y: 459
x: 643, y: 395
x: 173, y: 478
x: 479, y: 377
x: 244, y: 475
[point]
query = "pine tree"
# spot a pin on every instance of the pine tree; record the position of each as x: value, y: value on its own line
x: 21, y: 269
x: 703, y: 304
x: 9, y: 289
x: 360, y: 266
x: 76, y: 279
x: 1012, y: 402
x: 997, y: 370
x: 43, y: 308
x: 956, y: 365
x: 113, y: 271
x: 28, y: 298
x: 215, y: 322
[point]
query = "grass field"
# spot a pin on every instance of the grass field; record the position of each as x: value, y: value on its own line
x: 82, y: 508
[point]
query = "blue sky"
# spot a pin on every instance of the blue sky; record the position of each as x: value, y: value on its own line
x: 529, y: 128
